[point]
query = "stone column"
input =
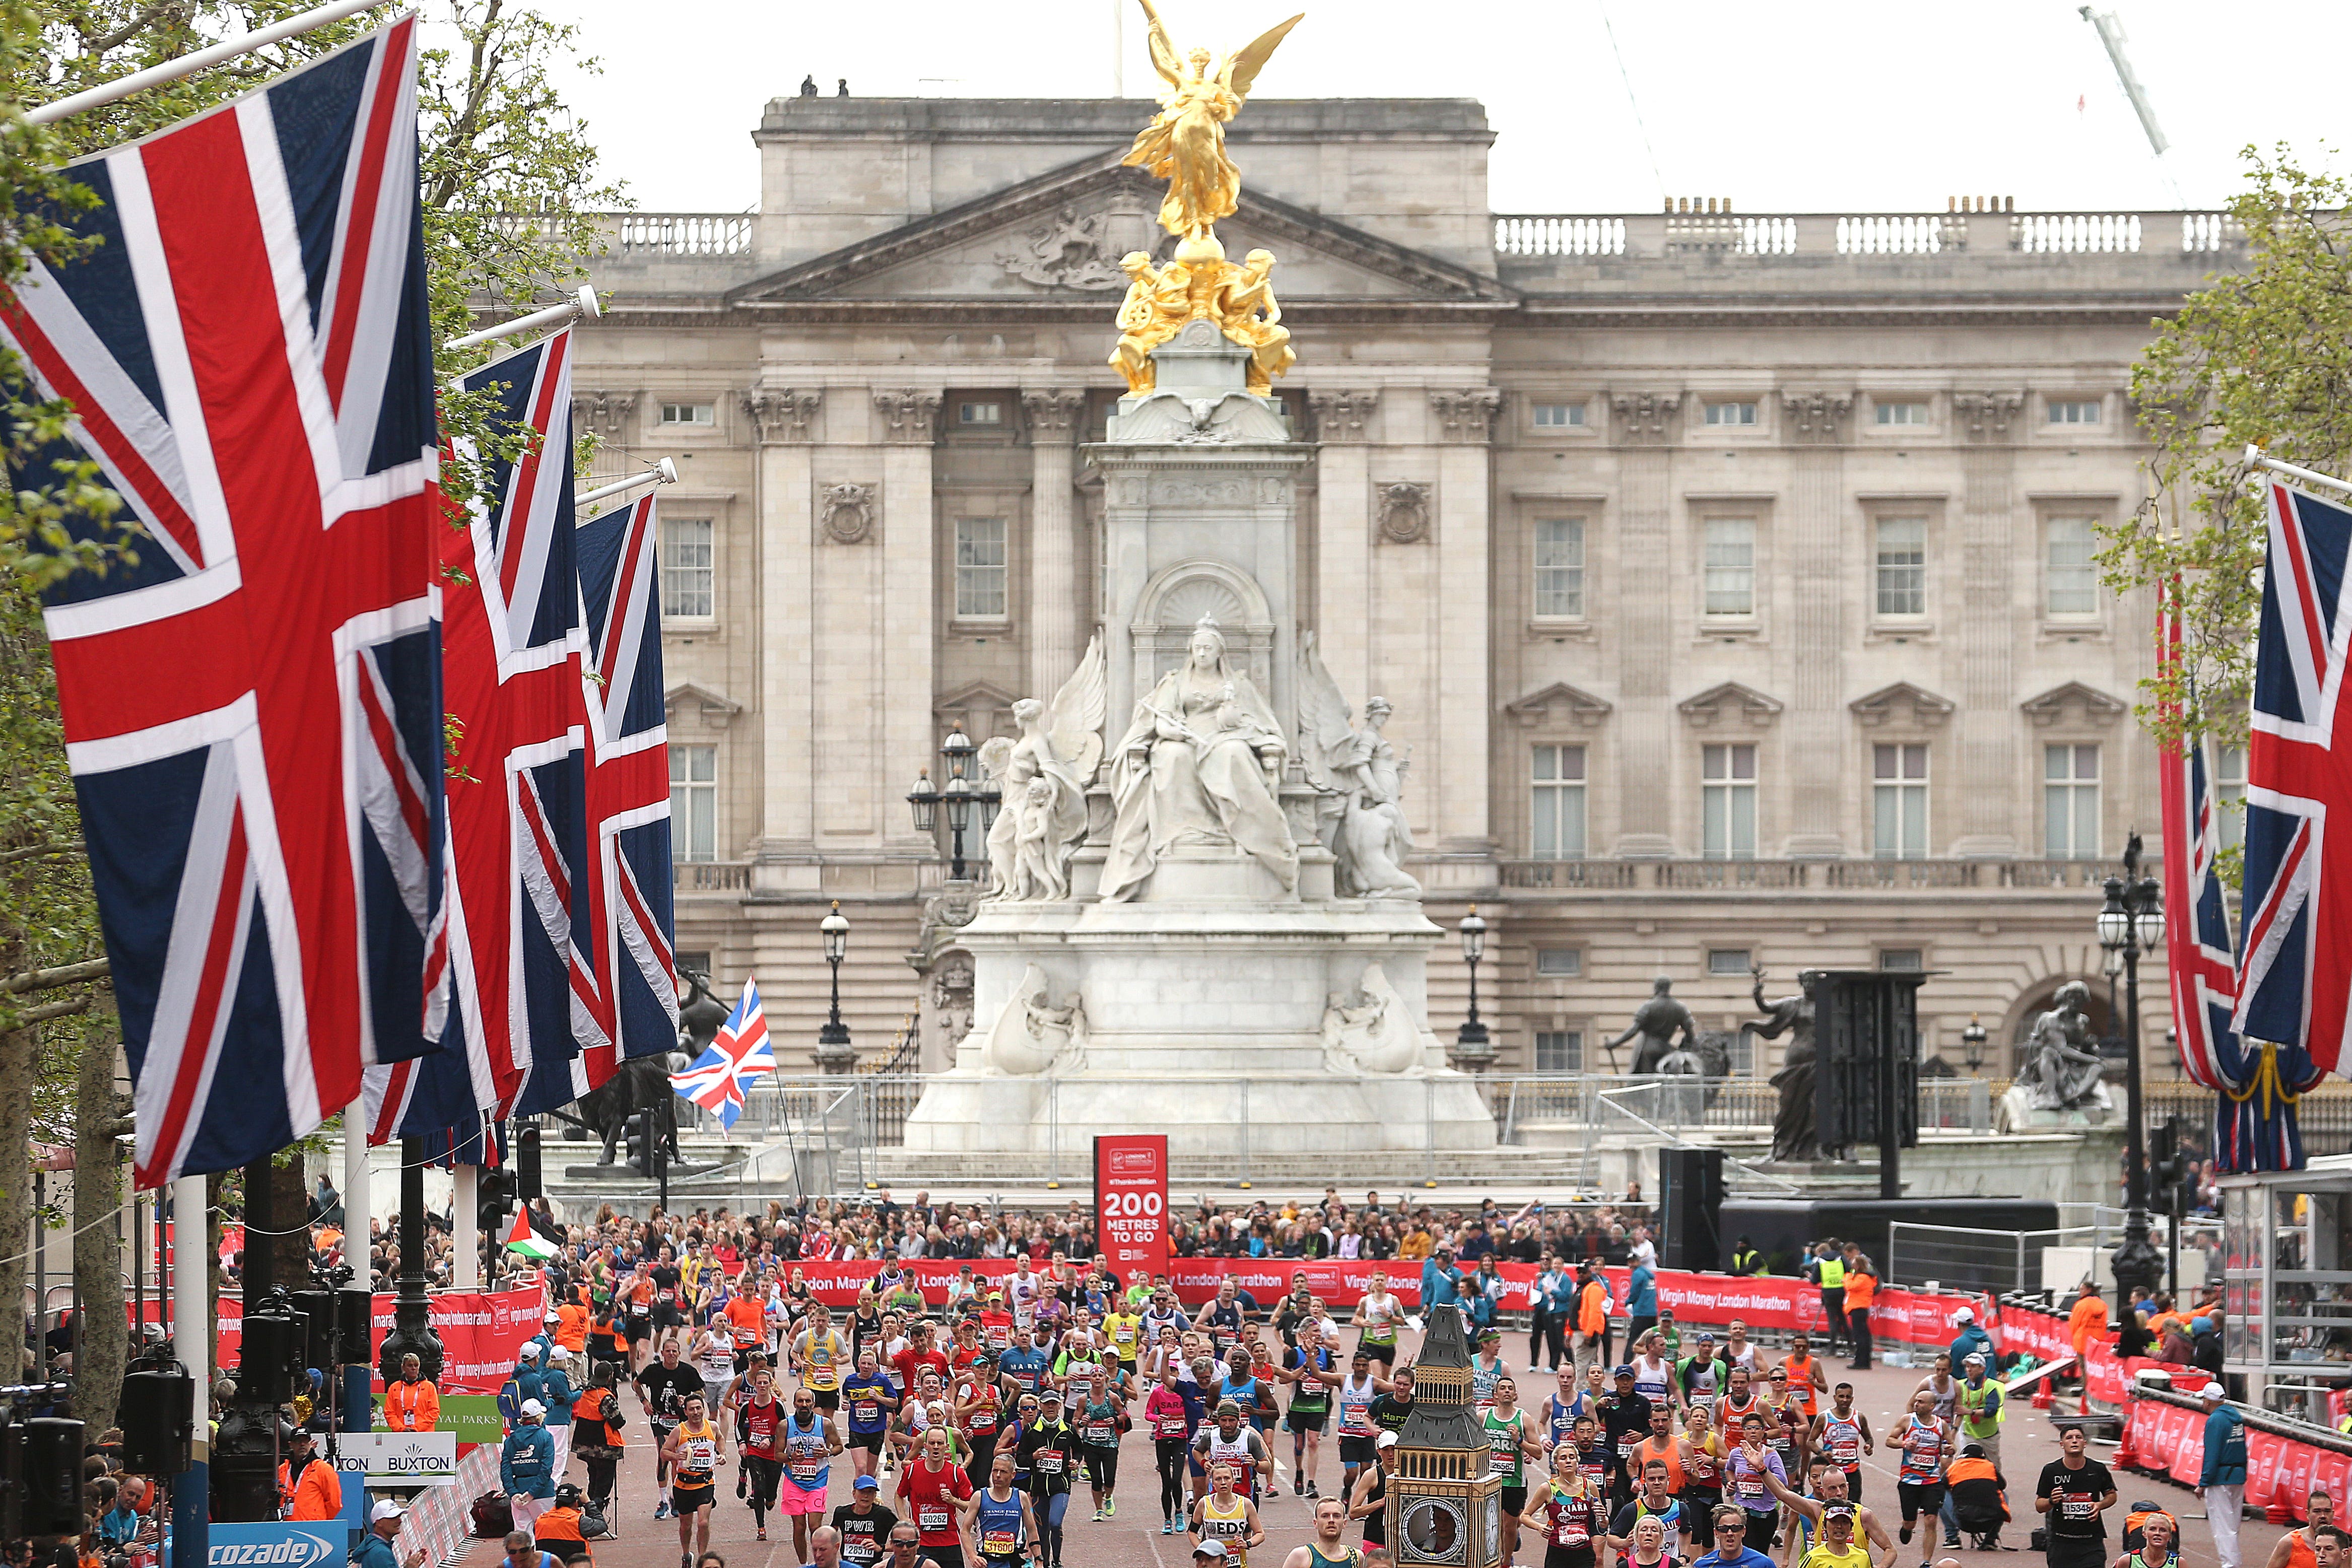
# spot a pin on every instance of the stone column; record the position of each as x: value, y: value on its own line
x: 1816, y: 754
x: 1462, y: 422
x: 1057, y: 621
x: 1987, y: 778
x: 1643, y: 591
x: 784, y: 421
x: 1343, y: 545
x: 903, y: 649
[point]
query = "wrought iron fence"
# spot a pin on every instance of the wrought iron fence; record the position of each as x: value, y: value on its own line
x: 1963, y: 1258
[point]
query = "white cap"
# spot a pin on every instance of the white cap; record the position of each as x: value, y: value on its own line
x: 534, y: 1408
x: 1965, y: 1315
x: 552, y: 1316
x: 385, y: 1509
x: 1387, y: 1440
x: 559, y: 1354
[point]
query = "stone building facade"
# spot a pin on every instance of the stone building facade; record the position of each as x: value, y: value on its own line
x: 1729, y: 575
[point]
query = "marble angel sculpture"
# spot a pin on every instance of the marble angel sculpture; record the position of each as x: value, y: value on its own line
x: 1373, y: 1032
x: 1361, y: 819
x: 1043, y: 778
x: 1198, y: 764
x: 1032, y: 1034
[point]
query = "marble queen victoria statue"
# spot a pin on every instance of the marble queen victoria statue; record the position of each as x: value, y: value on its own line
x: 1199, y: 765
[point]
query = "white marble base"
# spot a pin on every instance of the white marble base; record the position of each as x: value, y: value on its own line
x: 1202, y: 1015
x: 2015, y: 1111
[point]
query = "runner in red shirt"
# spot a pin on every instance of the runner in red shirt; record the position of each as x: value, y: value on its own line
x: 918, y: 1355
x: 930, y: 1489
x: 996, y: 1323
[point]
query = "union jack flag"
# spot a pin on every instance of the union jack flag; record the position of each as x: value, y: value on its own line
x: 2295, y: 971
x: 740, y: 1052
x: 512, y: 664
x: 635, y: 995
x: 2199, y: 961
x: 252, y: 711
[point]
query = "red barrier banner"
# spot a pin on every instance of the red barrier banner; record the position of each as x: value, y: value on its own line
x: 1131, y: 1202
x: 2170, y: 1441
x: 482, y: 1333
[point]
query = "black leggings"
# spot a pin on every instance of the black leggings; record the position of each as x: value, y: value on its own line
x: 1102, y: 1465
x: 1171, y: 1452
x: 602, y: 1473
x: 766, y: 1475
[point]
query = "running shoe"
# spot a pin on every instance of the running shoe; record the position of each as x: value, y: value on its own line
x: 1297, y: 1487
x: 661, y: 1508
x: 760, y: 1534
x: 1110, y: 1508
x: 1311, y: 1491
x: 1903, y: 1535
x: 1097, y: 1516
x: 1167, y: 1527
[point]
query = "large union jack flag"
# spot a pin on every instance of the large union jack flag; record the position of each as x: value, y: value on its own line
x: 512, y: 669
x: 252, y: 711
x: 635, y: 993
x: 2198, y: 960
x: 2295, y: 981
x: 738, y: 1056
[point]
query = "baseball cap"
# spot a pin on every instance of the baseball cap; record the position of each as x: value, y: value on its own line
x: 1838, y: 1511
x: 385, y: 1509
x: 1214, y: 1550
x: 1972, y: 1359
x: 552, y: 1317
x: 1049, y: 1396
x: 559, y: 1354
x: 1622, y: 1372
x: 1965, y: 1315
x: 534, y: 1408
x: 866, y: 1483
x: 1387, y: 1440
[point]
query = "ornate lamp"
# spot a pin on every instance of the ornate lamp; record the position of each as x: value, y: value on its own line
x: 834, y: 1053
x: 1972, y: 1041
x: 2132, y: 922
x: 1474, y: 1049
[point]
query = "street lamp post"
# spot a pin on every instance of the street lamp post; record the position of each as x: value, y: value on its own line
x: 960, y: 793
x: 2131, y: 924
x: 834, y: 1053
x: 1972, y: 1041
x: 1473, y: 1048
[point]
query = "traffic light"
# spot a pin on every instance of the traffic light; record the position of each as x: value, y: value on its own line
x: 527, y: 1166
x: 494, y: 1189
x: 2168, y: 1166
x: 48, y: 1473
x: 639, y: 1132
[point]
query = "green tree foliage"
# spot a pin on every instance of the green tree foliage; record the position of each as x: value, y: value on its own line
x: 2260, y: 357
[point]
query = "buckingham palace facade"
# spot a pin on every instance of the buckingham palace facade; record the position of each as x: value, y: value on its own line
x: 1730, y: 576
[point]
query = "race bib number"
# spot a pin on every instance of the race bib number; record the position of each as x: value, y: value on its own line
x: 982, y: 1422
x: 1169, y: 1427
x: 2079, y: 1508
x: 1626, y: 1444
x: 1101, y: 1434
x: 1846, y: 1451
x: 1355, y: 1421
x: 866, y: 1410
x: 1049, y: 1461
x: 665, y: 1295
x: 1502, y: 1458
x: 1751, y: 1485
x: 808, y: 1472
x: 997, y: 1544
x: 930, y: 1518
x: 1571, y: 1530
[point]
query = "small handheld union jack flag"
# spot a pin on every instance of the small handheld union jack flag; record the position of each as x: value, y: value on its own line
x: 740, y: 1054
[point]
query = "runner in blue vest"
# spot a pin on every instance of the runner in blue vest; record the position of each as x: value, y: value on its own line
x: 998, y: 1526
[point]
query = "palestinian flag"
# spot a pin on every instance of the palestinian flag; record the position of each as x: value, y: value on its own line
x: 525, y: 1240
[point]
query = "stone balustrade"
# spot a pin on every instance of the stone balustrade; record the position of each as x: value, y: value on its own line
x: 1864, y: 234
x: 1778, y: 875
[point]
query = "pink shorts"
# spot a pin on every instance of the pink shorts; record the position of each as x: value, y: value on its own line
x: 791, y: 1501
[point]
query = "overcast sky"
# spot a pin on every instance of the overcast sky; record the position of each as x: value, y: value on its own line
x: 1827, y: 106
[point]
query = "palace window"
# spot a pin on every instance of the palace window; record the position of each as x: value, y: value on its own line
x: 980, y: 574
x: 1559, y: 791
x: 2229, y: 797
x: 1728, y: 802
x: 1560, y: 963
x: 1727, y: 960
x: 1902, y: 412
x: 2070, y: 801
x: 2070, y: 583
x: 694, y: 803
x: 1901, y: 960
x: 2073, y: 410
x: 1731, y: 413
x: 1559, y: 567
x: 1899, y: 802
x: 689, y: 586
x: 1559, y: 1050
x: 688, y: 413
x: 1903, y: 566
x: 980, y: 413
x: 1559, y: 415
x: 1729, y: 545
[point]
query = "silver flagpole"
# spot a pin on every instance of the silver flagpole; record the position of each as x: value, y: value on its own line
x: 2309, y: 477
x: 662, y: 473
x: 580, y: 306
x: 189, y: 65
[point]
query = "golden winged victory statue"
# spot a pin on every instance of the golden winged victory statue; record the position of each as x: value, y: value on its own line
x: 1185, y: 145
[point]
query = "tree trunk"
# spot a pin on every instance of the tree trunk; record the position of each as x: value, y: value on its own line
x: 19, y: 1049
x: 289, y: 1205
x: 96, y: 1250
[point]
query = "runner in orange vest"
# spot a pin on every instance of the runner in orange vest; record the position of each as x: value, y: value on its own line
x: 1805, y: 1375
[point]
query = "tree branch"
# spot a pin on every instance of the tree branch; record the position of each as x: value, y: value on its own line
x: 50, y: 979
x: 35, y: 852
x: 48, y: 1010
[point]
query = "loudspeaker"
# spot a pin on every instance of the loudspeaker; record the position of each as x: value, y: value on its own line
x: 52, y: 1477
x: 318, y: 1310
x: 354, y: 1328
x: 1690, y: 1203
x: 272, y: 1349
x: 158, y: 1418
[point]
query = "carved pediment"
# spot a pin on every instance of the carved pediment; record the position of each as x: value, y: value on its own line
x: 1060, y: 235
x: 1729, y: 703
x: 1556, y: 705
x: 984, y: 708
x: 1902, y: 703
x: 2076, y: 701
x: 718, y: 708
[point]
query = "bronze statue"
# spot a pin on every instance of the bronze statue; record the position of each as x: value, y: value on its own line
x: 1658, y: 1021
x: 1795, y: 1134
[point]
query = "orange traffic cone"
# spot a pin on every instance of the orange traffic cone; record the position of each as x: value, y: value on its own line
x: 2276, y: 1510
x: 2042, y: 1395
x: 2127, y: 1455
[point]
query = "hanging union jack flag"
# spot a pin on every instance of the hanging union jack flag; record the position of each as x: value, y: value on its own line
x: 2294, y: 969
x: 252, y: 711
x: 739, y: 1054
x: 517, y: 788
x: 635, y: 994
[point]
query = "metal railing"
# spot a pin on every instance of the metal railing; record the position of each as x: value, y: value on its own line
x: 1648, y: 875
x: 1599, y: 1104
x: 1961, y: 1258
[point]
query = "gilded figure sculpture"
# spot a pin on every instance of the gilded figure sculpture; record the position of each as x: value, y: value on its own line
x: 1185, y: 143
x: 1239, y: 299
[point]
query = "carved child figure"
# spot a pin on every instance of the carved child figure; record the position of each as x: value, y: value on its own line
x: 1036, y: 873
x: 1247, y: 292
